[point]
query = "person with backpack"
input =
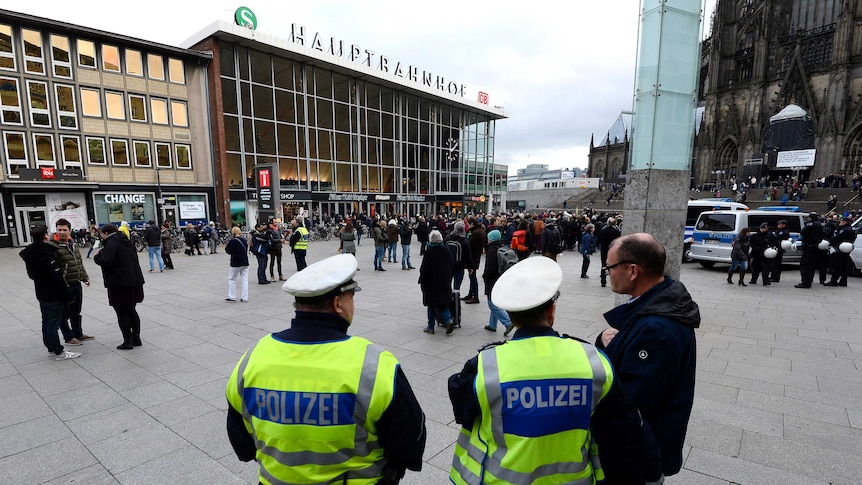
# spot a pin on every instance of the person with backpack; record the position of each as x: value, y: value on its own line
x: 552, y: 240
x: 495, y: 264
x: 588, y: 247
x: 435, y: 281
x: 462, y: 259
x: 519, y: 240
x: 381, y: 242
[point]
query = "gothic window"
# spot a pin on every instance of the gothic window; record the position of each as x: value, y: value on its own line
x: 616, y: 168
x: 853, y: 152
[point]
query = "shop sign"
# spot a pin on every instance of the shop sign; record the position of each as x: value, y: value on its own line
x: 482, y: 98
x: 381, y: 197
x: 267, y: 186
x: 125, y: 198
x: 354, y: 53
x: 410, y: 198
x: 193, y: 210
x: 477, y: 198
x: 50, y: 174
x: 348, y: 197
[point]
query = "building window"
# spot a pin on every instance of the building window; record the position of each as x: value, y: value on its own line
x: 159, y: 111
x: 120, y: 153
x: 10, y: 103
x: 176, y: 71
x: 16, y: 152
x: 71, y: 151
x: 137, y: 108
x: 134, y: 63
x: 114, y: 106
x: 38, y: 103
x: 67, y: 115
x: 179, y: 113
x: 44, y: 148
x: 34, y: 62
x: 184, y: 156
x: 7, y: 48
x: 155, y: 67
x: 60, y: 58
x: 110, y: 58
x: 96, y: 151
x: 90, y: 103
x: 142, y: 154
x: 163, y: 155
x: 86, y: 53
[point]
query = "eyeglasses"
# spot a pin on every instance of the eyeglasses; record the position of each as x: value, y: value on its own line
x: 607, y: 269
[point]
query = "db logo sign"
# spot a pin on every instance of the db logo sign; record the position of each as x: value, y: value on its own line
x: 483, y: 97
x: 47, y: 172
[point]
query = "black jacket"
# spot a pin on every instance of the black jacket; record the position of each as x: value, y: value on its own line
x: 119, y: 262
x: 435, y: 275
x: 153, y: 236
x: 422, y: 232
x: 654, y: 356
x: 43, y: 267
x: 401, y: 428
x: 492, y: 266
x: 605, y: 237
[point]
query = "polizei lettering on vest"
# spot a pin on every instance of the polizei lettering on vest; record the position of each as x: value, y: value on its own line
x: 546, y: 396
x: 310, y: 408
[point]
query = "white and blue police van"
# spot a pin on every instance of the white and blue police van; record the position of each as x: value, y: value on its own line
x: 715, y: 231
x: 698, y: 206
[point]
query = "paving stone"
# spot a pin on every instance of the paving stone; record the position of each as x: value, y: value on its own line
x: 81, y: 402
x: 32, y: 434
x: 47, y: 462
x: 801, y: 458
x: 739, y: 471
x: 199, y: 431
x: 746, y: 418
x: 793, y: 407
x: 186, y: 465
x: 136, y: 447
x: 106, y: 424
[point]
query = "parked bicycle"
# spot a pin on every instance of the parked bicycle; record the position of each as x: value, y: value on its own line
x: 138, y: 241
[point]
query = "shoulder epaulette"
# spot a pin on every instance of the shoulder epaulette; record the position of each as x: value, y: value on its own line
x: 492, y: 344
x: 565, y: 335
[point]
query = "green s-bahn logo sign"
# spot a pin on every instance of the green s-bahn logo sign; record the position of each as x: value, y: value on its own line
x: 244, y: 17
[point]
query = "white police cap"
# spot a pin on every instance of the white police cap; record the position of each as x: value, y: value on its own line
x: 528, y: 284
x: 329, y: 277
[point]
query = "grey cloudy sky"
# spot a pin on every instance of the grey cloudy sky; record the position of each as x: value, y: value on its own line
x: 562, y: 70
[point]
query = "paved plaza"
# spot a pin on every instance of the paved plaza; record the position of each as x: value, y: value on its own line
x: 778, y: 399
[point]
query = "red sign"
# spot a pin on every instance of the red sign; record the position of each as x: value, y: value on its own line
x: 264, y: 177
x: 47, y: 173
x: 483, y: 97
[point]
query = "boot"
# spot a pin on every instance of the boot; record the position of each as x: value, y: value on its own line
x: 753, y: 279
x: 127, y: 338
x: 742, y: 278
x: 729, y: 276
x: 136, y: 334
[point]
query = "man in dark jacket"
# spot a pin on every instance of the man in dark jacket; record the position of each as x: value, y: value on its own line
x: 459, y: 236
x: 74, y: 272
x: 551, y: 239
x: 651, y: 342
x: 405, y: 231
x: 153, y: 237
x: 759, y: 241
x: 490, y: 277
x: 606, y: 236
x: 477, y: 241
x: 422, y: 234
x: 51, y: 290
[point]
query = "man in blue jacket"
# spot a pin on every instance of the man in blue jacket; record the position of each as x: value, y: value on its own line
x: 651, y: 342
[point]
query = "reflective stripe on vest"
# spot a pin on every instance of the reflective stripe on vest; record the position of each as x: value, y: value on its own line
x: 302, y: 242
x: 361, y: 447
x: 478, y: 455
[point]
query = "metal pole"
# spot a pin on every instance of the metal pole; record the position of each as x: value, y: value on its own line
x: 159, y: 216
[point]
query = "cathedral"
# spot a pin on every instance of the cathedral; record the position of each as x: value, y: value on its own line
x: 762, y: 58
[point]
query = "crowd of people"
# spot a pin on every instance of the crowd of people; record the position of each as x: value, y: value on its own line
x: 615, y: 410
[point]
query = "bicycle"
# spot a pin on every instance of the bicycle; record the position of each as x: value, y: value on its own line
x: 138, y: 240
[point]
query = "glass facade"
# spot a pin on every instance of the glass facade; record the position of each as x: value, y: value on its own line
x: 330, y: 132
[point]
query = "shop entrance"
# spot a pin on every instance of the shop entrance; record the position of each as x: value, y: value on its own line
x: 27, y: 218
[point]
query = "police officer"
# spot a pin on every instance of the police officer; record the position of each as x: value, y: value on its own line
x: 811, y: 234
x: 314, y: 405
x: 830, y: 226
x: 759, y: 264
x: 841, y: 262
x: 299, y: 243
x: 781, y: 234
x: 528, y: 406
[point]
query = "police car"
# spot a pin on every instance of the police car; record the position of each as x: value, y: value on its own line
x: 698, y: 206
x: 714, y: 232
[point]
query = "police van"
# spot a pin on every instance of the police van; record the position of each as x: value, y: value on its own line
x: 714, y: 232
x: 695, y: 208
x: 856, y: 255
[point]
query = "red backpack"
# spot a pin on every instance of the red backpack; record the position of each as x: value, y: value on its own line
x: 519, y: 241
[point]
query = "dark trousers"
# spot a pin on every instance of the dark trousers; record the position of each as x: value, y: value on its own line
x: 275, y: 257
x: 52, y: 316
x: 129, y: 322
x: 261, y: 268
x: 71, y: 326
x: 775, y: 273
x: 457, y: 278
x: 299, y: 256
x: 841, y: 265
x: 585, y: 265
x: 760, y: 267
x: 422, y: 246
x: 473, y: 292
x: 808, y: 264
x: 822, y: 258
x: 166, y: 256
